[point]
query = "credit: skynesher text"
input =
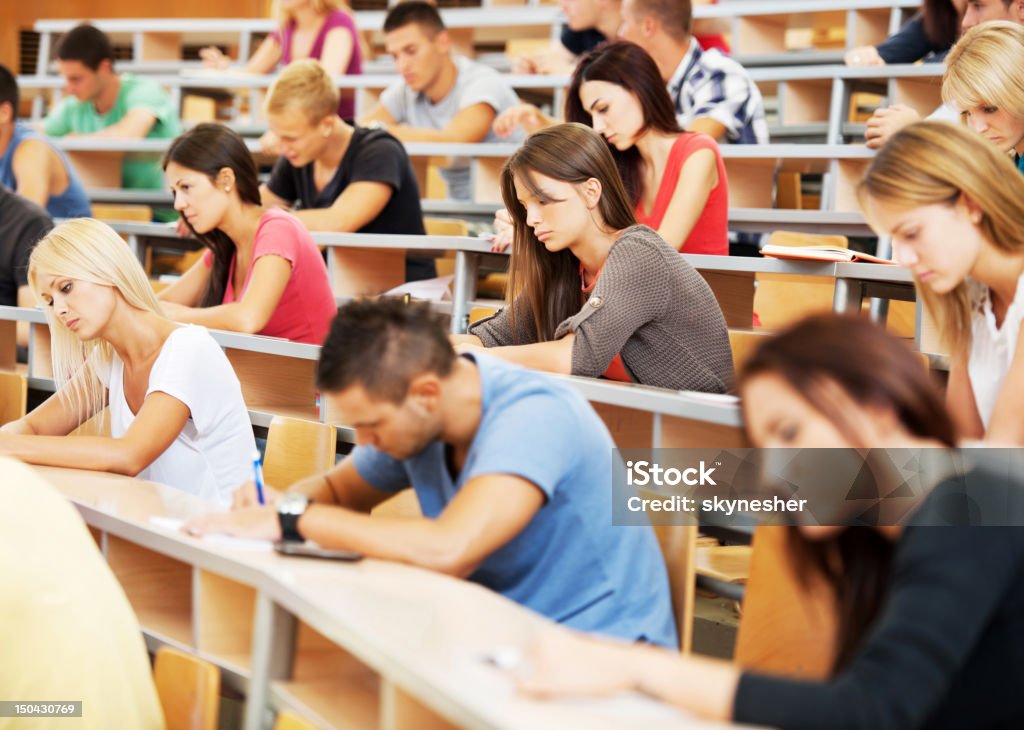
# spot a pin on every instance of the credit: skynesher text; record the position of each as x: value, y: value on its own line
x: 717, y: 504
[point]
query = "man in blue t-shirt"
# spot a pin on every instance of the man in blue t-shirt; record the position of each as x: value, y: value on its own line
x: 512, y: 470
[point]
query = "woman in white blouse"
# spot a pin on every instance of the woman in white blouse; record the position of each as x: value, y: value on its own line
x: 954, y: 206
x: 174, y: 404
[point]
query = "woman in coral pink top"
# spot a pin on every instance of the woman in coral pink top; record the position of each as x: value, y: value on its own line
x: 262, y: 273
x: 675, y: 179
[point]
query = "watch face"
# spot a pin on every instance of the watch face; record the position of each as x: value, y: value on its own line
x: 293, y: 504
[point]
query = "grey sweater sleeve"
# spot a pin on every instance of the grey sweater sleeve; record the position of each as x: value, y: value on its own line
x: 632, y: 291
x: 498, y: 330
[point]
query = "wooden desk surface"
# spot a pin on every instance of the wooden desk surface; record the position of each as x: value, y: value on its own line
x: 421, y: 633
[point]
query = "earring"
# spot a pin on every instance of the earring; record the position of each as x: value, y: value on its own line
x: 327, y: 133
x: 227, y: 189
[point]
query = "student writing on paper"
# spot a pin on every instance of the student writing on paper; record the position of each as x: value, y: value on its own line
x: 173, y: 403
x: 262, y: 273
x: 590, y: 291
x: 340, y: 178
x: 676, y: 180
x: 990, y: 100
x: 953, y: 205
x: 930, y: 619
x: 511, y: 470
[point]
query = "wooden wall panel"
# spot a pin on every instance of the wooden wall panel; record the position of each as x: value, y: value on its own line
x: 15, y: 17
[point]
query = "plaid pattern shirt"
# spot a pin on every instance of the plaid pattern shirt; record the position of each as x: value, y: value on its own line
x: 710, y: 84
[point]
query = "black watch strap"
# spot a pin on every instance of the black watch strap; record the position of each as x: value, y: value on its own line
x: 289, y: 527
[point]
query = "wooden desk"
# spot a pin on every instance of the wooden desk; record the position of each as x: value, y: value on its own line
x: 277, y: 378
x: 364, y: 645
x: 362, y: 264
x: 377, y: 260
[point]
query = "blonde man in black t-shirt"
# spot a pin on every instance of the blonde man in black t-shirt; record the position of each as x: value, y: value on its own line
x: 334, y: 176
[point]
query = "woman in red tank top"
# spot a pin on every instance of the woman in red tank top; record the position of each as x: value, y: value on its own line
x: 676, y: 180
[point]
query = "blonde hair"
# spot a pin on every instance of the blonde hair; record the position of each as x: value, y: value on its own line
x: 307, y: 84
x: 986, y: 68
x: 86, y: 250
x: 320, y: 7
x: 936, y: 163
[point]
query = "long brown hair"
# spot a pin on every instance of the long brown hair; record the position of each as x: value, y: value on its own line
x: 547, y: 285
x: 209, y: 148
x: 937, y: 163
x: 874, y: 369
x: 627, y: 65
x: 941, y: 22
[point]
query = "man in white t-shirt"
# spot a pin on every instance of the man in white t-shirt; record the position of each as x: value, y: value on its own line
x: 441, y: 98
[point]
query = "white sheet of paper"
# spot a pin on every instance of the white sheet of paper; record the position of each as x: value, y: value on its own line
x: 235, y: 543
x: 436, y: 290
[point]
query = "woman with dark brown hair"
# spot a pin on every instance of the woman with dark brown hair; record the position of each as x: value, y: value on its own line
x: 675, y: 180
x: 590, y: 291
x: 261, y: 273
x: 931, y: 618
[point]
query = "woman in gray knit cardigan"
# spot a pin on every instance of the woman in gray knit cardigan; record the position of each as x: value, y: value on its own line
x: 590, y: 291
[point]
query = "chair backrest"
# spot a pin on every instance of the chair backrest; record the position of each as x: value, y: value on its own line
x: 189, y: 690
x: 781, y: 299
x: 788, y: 625
x: 122, y: 212
x: 679, y: 549
x: 297, y: 449
x: 743, y: 344
x: 478, y: 313
x: 290, y: 721
x: 13, y: 396
x: 445, y: 265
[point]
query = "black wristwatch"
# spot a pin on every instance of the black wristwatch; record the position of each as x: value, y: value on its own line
x: 289, y: 509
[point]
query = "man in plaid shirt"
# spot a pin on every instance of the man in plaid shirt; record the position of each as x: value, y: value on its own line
x: 712, y: 93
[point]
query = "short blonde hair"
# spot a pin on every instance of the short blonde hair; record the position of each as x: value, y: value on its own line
x: 87, y: 250
x: 986, y: 67
x: 307, y: 84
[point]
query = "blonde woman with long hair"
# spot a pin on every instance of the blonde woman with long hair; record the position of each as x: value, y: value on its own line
x: 173, y: 402
x: 985, y: 80
x: 955, y: 210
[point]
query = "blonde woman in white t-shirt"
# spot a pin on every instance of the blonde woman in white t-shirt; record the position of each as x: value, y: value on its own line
x: 954, y: 206
x: 173, y: 402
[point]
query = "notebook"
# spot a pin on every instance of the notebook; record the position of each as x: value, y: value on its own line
x: 821, y: 253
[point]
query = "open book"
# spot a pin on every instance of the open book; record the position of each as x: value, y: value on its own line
x: 821, y: 253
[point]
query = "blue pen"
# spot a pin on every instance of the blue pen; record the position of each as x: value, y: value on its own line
x: 257, y: 474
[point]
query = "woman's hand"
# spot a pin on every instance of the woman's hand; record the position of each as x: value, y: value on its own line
x: 563, y: 663
x: 503, y: 230
x: 246, y: 496
x: 214, y: 58
x: 526, y: 116
x: 863, y: 56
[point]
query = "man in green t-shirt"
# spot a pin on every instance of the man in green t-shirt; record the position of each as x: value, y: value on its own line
x: 102, y: 103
